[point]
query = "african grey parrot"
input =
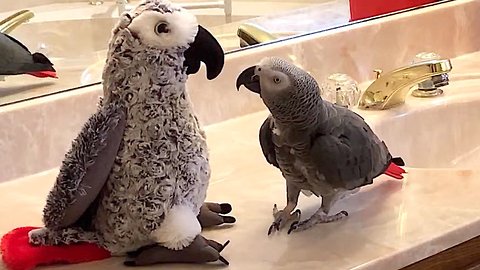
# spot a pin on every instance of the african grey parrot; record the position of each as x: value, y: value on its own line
x: 16, y: 59
x: 136, y: 177
x: 319, y: 147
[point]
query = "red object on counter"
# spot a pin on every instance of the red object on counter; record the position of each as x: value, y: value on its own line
x: 18, y: 254
x: 361, y: 9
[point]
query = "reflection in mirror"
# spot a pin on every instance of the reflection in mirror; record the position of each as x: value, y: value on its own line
x: 74, y: 34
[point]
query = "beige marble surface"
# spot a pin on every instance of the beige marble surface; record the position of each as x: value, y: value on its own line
x: 391, y: 224
x: 47, y: 125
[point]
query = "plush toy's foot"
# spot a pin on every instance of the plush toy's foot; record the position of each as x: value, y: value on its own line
x: 212, y: 214
x: 201, y: 250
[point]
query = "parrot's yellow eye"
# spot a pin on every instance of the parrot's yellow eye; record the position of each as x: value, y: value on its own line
x: 276, y: 80
x: 162, y: 28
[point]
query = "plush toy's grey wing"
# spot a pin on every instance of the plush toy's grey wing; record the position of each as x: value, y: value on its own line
x: 266, y: 142
x: 85, y: 168
x: 348, y: 153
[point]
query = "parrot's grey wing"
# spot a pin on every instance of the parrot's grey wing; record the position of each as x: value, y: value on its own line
x: 349, y: 155
x: 86, y: 167
x: 266, y: 141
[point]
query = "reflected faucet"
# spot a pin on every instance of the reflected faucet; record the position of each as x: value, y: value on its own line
x: 95, y: 2
x: 251, y: 34
x: 8, y: 24
x: 122, y: 6
x: 391, y: 89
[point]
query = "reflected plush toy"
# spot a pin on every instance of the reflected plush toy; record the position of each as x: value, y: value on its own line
x: 16, y: 59
x: 135, y: 179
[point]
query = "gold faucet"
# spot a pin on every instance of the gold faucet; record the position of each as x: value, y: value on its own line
x: 95, y: 2
x: 391, y: 89
x: 251, y: 34
x: 8, y: 24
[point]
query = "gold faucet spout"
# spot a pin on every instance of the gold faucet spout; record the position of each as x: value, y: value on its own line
x: 391, y: 89
x: 8, y: 24
x: 251, y: 34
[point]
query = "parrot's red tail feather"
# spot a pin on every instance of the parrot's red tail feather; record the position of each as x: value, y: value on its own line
x: 44, y: 74
x: 19, y: 254
x: 395, y: 171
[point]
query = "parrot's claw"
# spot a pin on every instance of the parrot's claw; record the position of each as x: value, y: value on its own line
x: 293, y: 227
x: 316, y: 219
x: 281, y: 218
x: 272, y: 228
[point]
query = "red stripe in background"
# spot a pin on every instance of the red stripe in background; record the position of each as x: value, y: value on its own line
x: 361, y: 9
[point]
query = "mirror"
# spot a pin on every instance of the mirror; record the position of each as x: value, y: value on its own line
x: 74, y: 34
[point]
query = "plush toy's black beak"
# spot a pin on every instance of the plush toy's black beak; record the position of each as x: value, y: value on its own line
x: 205, y: 49
x: 249, y: 80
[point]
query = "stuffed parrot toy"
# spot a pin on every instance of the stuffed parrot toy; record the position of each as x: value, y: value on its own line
x: 319, y: 147
x: 135, y: 179
x: 16, y: 59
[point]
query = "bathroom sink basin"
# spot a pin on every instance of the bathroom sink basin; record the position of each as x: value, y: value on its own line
x: 439, y: 132
x: 77, y: 30
x: 75, y: 37
x: 67, y: 39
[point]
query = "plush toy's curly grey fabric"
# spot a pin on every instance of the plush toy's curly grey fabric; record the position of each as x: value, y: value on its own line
x: 82, y: 164
x: 137, y: 175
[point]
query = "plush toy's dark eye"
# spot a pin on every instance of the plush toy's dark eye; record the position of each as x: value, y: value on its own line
x: 162, y: 28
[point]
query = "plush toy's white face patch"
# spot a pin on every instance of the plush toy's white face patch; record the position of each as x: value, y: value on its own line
x: 164, y: 30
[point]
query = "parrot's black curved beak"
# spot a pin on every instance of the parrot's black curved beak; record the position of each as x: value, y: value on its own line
x: 205, y: 48
x: 249, y: 80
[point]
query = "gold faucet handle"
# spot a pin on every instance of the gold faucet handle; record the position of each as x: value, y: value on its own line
x: 252, y: 34
x: 377, y: 73
x: 11, y: 22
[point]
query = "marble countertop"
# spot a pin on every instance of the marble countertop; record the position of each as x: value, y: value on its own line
x: 391, y: 224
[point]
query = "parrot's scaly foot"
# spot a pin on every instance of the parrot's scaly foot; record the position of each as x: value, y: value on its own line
x: 213, y: 214
x: 283, y: 217
x: 201, y: 250
x: 319, y: 217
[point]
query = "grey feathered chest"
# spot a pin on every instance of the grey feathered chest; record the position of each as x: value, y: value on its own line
x: 162, y: 159
x: 293, y: 156
x: 341, y: 153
